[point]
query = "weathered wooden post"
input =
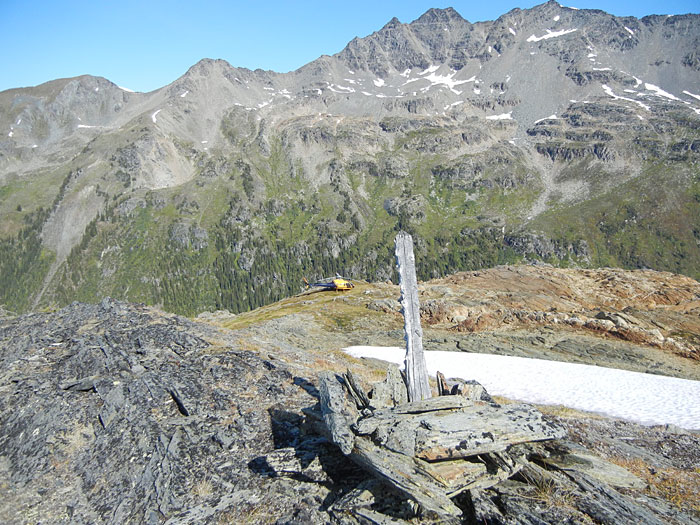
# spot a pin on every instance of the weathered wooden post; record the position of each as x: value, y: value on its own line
x: 416, y: 371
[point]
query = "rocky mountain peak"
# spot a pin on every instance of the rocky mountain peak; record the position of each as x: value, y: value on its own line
x: 391, y: 24
x: 435, y: 15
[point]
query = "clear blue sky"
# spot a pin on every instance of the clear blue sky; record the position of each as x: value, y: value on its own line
x: 146, y: 44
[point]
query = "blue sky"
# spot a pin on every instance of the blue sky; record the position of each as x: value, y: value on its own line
x: 143, y: 45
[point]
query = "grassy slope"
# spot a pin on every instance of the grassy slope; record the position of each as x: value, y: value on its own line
x: 267, y: 227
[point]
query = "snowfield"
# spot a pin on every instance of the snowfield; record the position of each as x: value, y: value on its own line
x: 645, y: 398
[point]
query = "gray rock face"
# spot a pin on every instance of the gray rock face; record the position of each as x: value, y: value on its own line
x: 529, y: 62
x: 114, y: 413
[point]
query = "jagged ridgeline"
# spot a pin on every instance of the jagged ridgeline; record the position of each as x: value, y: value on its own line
x: 551, y: 134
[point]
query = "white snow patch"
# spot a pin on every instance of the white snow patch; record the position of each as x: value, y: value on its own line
x: 550, y: 34
x: 556, y: 18
x: 508, y: 78
x: 609, y: 91
x: 319, y: 92
x: 444, y: 80
x: 367, y: 94
x: 10, y: 133
x: 477, y: 91
x: 86, y: 126
x: 638, y: 82
x: 405, y: 73
x: 573, y: 8
x: 592, y: 55
x: 268, y: 88
x: 379, y: 82
x: 265, y: 103
x: 340, y: 89
x: 97, y: 89
x: 35, y: 146
x: 629, y: 30
x: 126, y: 89
x: 512, y: 31
x: 19, y: 121
x: 691, y: 95
x: 351, y: 72
x: 630, y: 91
x: 153, y: 117
x: 660, y: 92
x: 640, y: 117
x: 490, y: 49
x: 184, y: 94
x: 601, y: 69
x: 551, y: 117
x: 645, y: 398
x: 502, y: 116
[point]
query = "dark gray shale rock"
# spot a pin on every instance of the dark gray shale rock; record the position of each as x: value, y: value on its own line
x: 119, y: 413
x: 115, y: 413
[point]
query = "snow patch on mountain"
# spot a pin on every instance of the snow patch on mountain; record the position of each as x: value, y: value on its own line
x: 608, y: 90
x: 430, y: 74
x: 660, y: 92
x: 550, y: 34
x: 502, y: 116
x: 551, y: 117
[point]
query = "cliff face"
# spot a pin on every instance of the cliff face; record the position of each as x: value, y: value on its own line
x: 118, y: 412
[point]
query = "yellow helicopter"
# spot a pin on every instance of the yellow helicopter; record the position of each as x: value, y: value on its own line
x: 338, y: 284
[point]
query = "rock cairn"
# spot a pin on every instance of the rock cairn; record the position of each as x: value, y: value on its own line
x: 429, y: 448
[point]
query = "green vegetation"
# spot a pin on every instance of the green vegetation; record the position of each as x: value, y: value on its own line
x: 23, y: 263
x: 652, y: 221
x: 251, y: 224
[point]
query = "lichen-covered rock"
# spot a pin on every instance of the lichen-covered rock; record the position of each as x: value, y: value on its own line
x: 116, y: 413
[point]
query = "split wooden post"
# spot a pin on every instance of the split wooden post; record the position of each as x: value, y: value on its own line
x: 416, y: 370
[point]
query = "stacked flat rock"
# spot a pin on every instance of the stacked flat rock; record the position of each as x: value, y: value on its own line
x: 434, y: 449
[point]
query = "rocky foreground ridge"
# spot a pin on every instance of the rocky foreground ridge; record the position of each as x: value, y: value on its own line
x: 118, y: 412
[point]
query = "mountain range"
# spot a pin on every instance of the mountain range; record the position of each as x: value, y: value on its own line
x: 550, y: 134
